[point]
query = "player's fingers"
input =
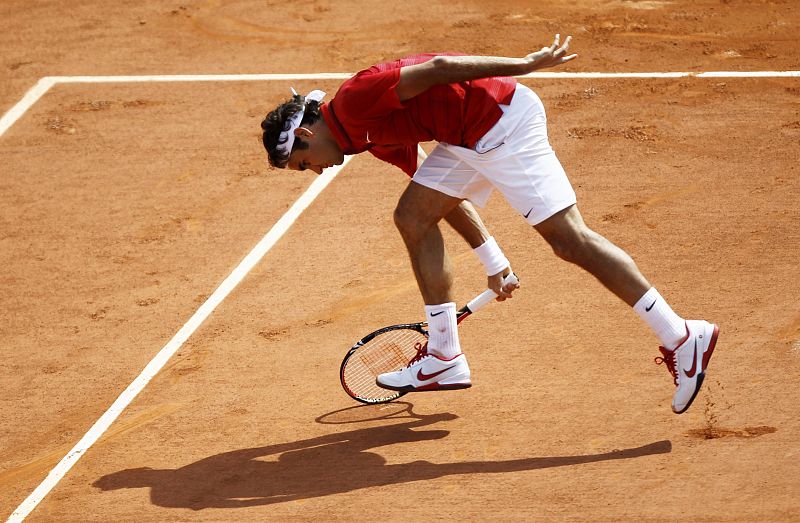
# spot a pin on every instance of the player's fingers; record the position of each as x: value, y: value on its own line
x: 505, y: 292
x: 563, y: 49
x: 568, y: 58
x: 556, y: 42
x: 502, y: 293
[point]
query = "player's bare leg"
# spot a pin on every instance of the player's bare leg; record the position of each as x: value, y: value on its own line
x: 417, y: 217
x: 439, y: 364
x: 687, y: 344
x: 574, y: 242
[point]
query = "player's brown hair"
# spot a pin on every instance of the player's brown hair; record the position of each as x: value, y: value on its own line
x: 277, y: 121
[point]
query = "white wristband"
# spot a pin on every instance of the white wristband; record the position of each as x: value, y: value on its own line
x: 491, y: 256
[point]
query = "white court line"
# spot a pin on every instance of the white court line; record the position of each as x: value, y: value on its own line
x: 199, y: 78
x: 44, y: 84
x: 707, y: 74
x: 30, y: 98
x: 266, y: 243
x: 158, y: 362
x: 344, y: 76
x: 749, y: 74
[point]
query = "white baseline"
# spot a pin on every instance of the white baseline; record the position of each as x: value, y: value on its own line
x: 44, y: 84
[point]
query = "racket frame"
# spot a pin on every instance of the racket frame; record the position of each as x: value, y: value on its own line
x: 390, y: 394
x: 463, y: 313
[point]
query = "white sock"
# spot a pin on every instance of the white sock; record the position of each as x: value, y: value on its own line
x: 656, y: 312
x: 442, y: 330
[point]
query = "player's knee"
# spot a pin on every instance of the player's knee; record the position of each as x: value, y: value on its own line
x: 406, y: 223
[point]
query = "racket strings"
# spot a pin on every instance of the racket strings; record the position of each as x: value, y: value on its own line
x: 386, y: 352
x: 390, y: 355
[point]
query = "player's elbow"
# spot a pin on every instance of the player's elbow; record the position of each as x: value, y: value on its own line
x: 440, y: 62
x: 441, y: 68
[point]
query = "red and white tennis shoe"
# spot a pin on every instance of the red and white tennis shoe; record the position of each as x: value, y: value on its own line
x: 427, y: 371
x: 688, y: 362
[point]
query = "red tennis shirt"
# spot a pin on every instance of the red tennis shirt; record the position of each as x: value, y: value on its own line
x: 367, y: 115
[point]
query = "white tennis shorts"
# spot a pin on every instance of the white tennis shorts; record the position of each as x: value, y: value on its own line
x: 514, y: 157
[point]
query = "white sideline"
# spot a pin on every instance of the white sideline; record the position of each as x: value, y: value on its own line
x: 158, y: 362
x: 27, y: 101
x: 266, y: 243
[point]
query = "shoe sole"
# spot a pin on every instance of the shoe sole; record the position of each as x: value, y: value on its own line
x: 426, y: 388
x: 702, y: 375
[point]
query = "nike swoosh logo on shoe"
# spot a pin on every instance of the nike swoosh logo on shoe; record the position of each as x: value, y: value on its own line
x: 691, y: 372
x: 421, y: 376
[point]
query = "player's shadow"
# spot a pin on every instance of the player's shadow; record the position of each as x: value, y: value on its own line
x: 322, y: 466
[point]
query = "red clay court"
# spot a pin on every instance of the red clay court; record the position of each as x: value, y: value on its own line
x: 125, y: 204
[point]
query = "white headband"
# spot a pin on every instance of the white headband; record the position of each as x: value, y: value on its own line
x: 286, y: 138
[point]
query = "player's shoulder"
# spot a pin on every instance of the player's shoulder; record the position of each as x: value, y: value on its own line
x: 376, y: 76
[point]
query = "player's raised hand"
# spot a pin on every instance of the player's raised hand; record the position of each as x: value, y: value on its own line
x: 551, y: 56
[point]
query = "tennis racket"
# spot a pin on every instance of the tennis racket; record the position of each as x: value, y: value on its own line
x: 390, y: 349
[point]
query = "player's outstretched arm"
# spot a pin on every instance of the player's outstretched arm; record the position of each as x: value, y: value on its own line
x: 415, y: 79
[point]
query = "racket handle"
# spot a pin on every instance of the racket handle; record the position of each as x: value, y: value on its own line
x: 489, y: 295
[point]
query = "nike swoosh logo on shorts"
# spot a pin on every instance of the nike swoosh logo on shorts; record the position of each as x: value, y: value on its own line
x: 647, y: 309
x: 421, y: 376
x: 691, y: 372
x: 528, y: 213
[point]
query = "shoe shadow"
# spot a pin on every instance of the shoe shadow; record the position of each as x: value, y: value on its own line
x: 322, y: 466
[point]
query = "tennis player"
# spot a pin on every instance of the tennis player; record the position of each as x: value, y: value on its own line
x: 491, y: 134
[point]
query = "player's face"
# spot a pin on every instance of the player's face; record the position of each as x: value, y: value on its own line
x: 323, y: 151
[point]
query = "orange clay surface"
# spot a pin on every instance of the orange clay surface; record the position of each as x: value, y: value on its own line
x: 123, y: 206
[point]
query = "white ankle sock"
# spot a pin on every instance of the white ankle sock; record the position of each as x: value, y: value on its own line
x: 656, y: 312
x: 442, y: 330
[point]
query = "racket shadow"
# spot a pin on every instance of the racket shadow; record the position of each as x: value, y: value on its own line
x: 322, y: 466
x: 382, y: 411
